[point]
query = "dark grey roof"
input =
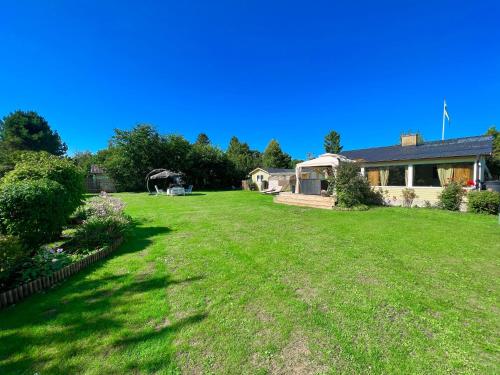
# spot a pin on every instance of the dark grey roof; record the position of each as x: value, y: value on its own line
x: 468, y: 146
x: 279, y: 170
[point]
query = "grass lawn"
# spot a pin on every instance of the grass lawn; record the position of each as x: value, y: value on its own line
x: 230, y: 283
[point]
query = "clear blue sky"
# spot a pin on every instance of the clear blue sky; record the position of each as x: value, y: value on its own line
x: 288, y: 70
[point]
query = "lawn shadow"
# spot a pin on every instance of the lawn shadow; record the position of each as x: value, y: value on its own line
x: 74, y: 316
x: 72, y: 319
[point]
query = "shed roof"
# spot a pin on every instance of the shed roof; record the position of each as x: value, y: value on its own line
x: 274, y: 170
x: 280, y: 170
x: 467, y: 146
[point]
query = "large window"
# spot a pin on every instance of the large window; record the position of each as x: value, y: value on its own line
x: 397, y: 176
x: 386, y: 176
x: 463, y: 173
x: 373, y: 176
x: 442, y: 174
x: 426, y: 175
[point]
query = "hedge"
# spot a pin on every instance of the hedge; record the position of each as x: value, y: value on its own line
x: 33, y: 210
x: 483, y: 202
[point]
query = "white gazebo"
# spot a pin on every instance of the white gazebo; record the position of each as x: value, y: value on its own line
x: 323, y: 161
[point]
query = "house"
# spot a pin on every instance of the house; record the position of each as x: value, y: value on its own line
x: 424, y: 166
x: 266, y: 178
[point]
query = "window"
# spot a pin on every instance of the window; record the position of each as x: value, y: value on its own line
x: 373, y: 176
x: 397, y: 176
x: 462, y: 173
x: 386, y: 176
x: 426, y: 175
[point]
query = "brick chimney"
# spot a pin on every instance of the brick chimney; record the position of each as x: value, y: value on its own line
x: 410, y: 140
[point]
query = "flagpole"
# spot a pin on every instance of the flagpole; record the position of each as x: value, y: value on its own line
x: 444, y: 109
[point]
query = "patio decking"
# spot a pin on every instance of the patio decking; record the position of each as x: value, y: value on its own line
x: 303, y: 200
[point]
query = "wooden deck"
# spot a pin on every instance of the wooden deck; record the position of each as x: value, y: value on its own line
x: 303, y: 200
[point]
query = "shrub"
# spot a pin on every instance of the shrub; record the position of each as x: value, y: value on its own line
x: 42, y: 165
x: 486, y: 202
x: 12, y: 252
x: 43, y: 263
x: 374, y: 197
x: 97, y: 231
x: 409, y: 196
x: 351, y: 188
x: 104, y: 205
x: 32, y: 210
x: 451, y: 197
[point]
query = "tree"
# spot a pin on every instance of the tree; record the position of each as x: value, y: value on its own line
x: 202, y: 139
x: 28, y: 131
x: 208, y: 167
x: 274, y: 157
x: 351, y: 188
x: 84, y: 160
x: 132, y: 154
x: 175, y: 153
x: 243, y: 159
x: 493, y: 161
x: 332, y: 143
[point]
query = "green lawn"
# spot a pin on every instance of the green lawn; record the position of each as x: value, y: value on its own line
x: 230, y: 283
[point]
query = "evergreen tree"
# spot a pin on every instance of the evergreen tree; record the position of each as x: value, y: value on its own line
x: 332, y: 143
x: 274, y: 157
x: 28, y: 131
x: 202, y: 139
x: 243, y: 159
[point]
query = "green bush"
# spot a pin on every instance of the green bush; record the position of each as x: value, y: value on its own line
x: 451, y: 197
x: 97, y: 231
x: 43, y: 263
x: 32, y: 210
x: 42, y: 165
x: 12, y: 252
x: 483, y: 202
x: 351, y: 188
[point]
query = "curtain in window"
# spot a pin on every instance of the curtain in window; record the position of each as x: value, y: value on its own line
x: 462, y: 174
x: 445, y: 174
x: 406, y: 176
x: 384, y: 176
x: 374, y: 177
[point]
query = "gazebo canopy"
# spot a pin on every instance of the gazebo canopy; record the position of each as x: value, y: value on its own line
x: 324, y: 160
x: 164, y: 174
x: 157, y: 174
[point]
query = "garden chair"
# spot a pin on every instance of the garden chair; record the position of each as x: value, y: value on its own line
x: 276, y: 191
x: 267, y: 191
x: 159, y: 191
x: 188, y: 190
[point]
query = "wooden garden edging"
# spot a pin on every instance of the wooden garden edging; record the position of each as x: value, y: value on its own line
x: 21, y: 292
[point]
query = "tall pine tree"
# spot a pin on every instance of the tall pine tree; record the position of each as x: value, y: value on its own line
x: 274, y: 157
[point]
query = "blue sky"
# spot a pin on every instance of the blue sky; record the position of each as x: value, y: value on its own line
x: 290, y: 70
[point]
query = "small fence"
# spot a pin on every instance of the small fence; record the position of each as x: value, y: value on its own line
x: 15, y: 295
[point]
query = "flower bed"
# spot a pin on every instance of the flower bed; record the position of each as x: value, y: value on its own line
x: 98, y: 227
x: 22, y: 291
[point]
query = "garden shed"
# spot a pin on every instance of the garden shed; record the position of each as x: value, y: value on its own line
x: 97, y: 180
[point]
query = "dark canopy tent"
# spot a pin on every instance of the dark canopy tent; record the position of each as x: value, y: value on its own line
x: 163, y: 174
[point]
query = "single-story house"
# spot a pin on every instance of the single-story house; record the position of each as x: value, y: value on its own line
x: 424, y: 166
x: 266, y: 178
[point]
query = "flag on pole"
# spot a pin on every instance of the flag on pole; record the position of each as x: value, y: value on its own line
x: 445, y: 113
